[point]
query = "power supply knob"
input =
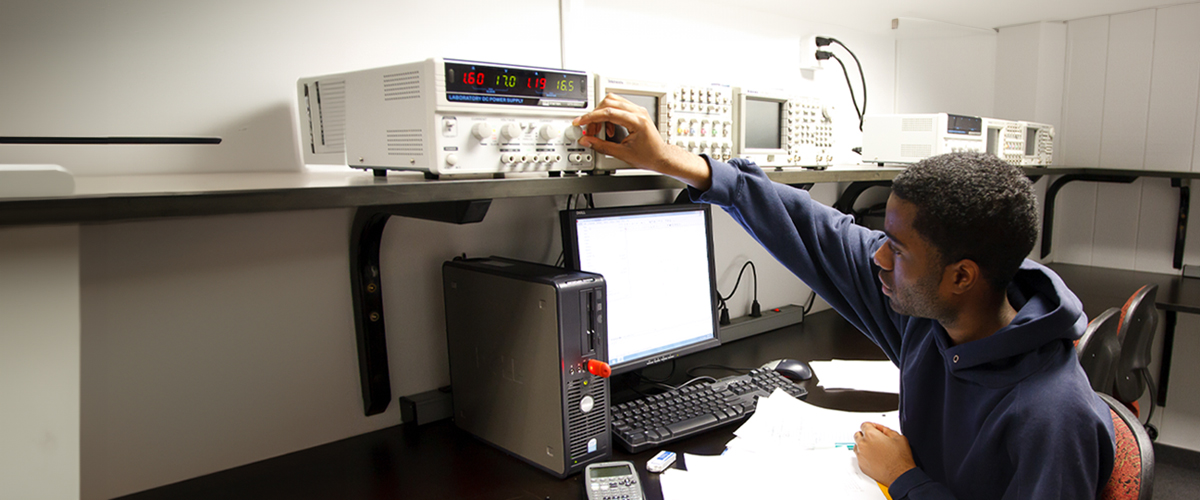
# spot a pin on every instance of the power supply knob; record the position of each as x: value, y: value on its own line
x: 574, y: 133
x: 451, y: 160
x: 549, y: 132
x: 510, y: 131
x: 482, y: 130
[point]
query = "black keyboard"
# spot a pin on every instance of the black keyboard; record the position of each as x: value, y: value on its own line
x: 662, y: 418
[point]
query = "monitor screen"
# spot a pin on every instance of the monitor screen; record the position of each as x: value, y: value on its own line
x: 657, y: 263
x: 649, y: 102
x: 763, y: 123
x: 1030, y: 141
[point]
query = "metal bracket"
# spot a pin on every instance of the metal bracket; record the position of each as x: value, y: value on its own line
x: 1052, y: 193
x: 1164, y: 370
x: 845, y: 202
x: 1185, y: 199
x: 367, y: 289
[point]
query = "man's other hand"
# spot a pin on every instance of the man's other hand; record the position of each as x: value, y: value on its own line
x: 883, y: 454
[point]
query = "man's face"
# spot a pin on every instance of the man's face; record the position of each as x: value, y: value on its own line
x: 912, y: 273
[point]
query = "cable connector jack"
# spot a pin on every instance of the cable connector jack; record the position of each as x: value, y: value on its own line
x: 824, y: 41
x: 824, y: 55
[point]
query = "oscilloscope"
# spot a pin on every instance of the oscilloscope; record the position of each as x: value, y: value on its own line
x: 697, y: 118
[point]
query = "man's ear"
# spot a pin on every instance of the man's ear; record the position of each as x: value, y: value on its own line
x: 964, y: 275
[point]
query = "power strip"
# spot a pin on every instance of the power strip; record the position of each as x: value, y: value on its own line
x: 771, y: 319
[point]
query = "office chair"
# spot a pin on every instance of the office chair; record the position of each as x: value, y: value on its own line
x: 1099, y: 350
x: 1133, y: 464
x: 1136, y: 330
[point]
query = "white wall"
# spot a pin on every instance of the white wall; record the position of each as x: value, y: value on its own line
x: 39, y: 341
x: 1130, y: 102
x: 944, y: 69
x: 209, y: 343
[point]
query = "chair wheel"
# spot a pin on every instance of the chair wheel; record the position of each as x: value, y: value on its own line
x: 1152, y: 431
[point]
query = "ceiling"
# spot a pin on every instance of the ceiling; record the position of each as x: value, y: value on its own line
x: 876, y: 15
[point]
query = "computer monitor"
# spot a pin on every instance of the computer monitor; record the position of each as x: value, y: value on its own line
x: 761, y: 126
x: 657, y: 262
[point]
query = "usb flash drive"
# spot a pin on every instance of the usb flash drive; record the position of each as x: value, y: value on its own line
x: 661, y: 461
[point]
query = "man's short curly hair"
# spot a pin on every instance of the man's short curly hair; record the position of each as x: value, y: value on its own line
x: 973, y: 206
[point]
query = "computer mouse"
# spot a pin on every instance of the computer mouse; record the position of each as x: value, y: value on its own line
x: 791, y: 369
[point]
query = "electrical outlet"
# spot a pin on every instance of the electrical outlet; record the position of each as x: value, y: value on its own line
x: 808, y: 50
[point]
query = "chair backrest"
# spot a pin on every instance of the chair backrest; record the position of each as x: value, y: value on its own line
x: 1138, y: 322
x: 1133, y: 464
x: 1099, y: 350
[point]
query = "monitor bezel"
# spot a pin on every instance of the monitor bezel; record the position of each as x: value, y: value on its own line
x: 741, y: 123
x: 568, y: 220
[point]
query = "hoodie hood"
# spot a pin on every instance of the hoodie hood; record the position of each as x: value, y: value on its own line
x: 1049, y: 319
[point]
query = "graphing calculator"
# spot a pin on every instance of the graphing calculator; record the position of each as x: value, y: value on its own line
x: 612, y: 481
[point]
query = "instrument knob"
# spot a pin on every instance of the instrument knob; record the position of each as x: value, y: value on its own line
x: 482, y: 130
x: 510, y: 131
x: 549, y: 132
x: 574, y: 133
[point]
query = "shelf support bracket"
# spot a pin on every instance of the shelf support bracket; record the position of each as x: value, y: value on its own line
x: 1185, y: 200
x: 845, y: 202
x: 367, y: 289
x: 1052, y: 193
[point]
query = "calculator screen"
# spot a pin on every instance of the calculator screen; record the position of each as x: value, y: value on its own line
x: 619, y: 470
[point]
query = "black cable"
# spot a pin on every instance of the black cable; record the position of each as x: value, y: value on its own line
x: 691, y: 371
x: 862, y: 77
x: 755, y: 309
x: 851, y: 87
x: 690, y: 382
x: 754, y: 271
x: 812, y: 297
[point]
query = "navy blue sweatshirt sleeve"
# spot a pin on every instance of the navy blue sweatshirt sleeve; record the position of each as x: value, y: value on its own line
x: 915, y: 484
x: 820, y: 245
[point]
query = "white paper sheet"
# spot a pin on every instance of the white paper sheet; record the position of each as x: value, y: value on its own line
x: 787, y: 449
x: 793, y: 423
x: 875, y: 376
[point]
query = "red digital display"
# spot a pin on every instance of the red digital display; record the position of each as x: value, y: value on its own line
x: 488, y: 82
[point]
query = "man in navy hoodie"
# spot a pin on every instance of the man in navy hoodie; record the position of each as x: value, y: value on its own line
x: 993, y: 403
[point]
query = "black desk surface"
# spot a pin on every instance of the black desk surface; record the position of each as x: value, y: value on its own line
x: 1101, y: 288
x: 438, y: 461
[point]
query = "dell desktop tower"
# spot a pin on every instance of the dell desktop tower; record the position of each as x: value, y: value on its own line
x: 520, y: 337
